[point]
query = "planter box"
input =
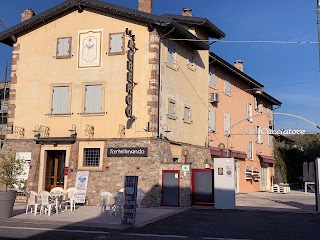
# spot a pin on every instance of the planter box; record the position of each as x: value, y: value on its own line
x: 6, y: 203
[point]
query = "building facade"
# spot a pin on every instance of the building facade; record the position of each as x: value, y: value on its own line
x: 113, y: 93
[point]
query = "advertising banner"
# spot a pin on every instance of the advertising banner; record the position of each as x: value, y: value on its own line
x: 81, y: 186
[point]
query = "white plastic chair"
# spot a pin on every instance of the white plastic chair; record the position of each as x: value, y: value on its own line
x: 121, y: 190
x: 70, y: 199
x: 46, y: 205
x: 107, y: 202
x: 57, y: 190
x: 32, y: 202
x: 140, y: 195
x: 119, y: 200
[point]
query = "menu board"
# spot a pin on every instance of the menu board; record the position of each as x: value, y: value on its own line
x: 130, y: 200
x: 81, y: 186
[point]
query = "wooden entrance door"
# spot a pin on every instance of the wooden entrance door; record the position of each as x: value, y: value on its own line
x: 55, y: 169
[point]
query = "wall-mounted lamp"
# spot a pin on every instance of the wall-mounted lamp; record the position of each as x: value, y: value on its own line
x: 165, y: 129
x: 185, y: 153
x: 73, y: 131
x: 221, y: 146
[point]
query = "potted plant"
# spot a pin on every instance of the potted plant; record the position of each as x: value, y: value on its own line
x: 10, y: 168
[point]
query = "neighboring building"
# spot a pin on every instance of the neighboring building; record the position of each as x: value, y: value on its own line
x: 240, y: 114
x: 112, y: 93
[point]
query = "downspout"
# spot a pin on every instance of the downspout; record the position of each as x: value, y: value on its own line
x: 159, y: 79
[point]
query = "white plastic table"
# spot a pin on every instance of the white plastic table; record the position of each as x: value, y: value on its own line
x: 56, y: 196
x: 306, y: 184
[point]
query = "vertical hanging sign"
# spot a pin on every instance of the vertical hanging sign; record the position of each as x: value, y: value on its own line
x: 130, y: 85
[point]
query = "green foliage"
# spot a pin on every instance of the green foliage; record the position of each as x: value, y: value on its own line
x: 280, y: 167
x: 10, y: 168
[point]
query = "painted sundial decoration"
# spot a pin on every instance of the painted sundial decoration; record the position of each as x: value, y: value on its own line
x: 89, y: 51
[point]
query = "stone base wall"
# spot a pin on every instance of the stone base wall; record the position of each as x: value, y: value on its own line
x: 11, y: 147
x: 114, y: 169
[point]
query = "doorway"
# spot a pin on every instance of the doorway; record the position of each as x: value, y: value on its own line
x: 55, y: 164
x: 170, y: 188
x: 202, y: 186
x: 264, y: 177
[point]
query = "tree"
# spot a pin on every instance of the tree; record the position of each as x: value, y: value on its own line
x: 10, y: 168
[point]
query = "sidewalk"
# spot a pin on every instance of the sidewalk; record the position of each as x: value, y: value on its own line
x: 89, y: 216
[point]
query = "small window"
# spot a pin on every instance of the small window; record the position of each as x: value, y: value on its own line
x: 249, y: 112
x: 269, y: 111
x: 227, y: 124
x: 190, y: 61
x: 258, y: 105
x: 212, y: 120
x: 93, y: 99
x: 270, y: 140
x: 63, y: 47
x: 60, y: 100
x: 258, y: 134
x: 171, y: 58
x: 212, y: 80
x: 250, y: 145
x: 116, y: 43
x: 187, y: 114
x: 227, y: 86
x: 91, y: 157
x: 171, y: 109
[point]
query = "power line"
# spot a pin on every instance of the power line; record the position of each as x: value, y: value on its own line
x: 245, y: 41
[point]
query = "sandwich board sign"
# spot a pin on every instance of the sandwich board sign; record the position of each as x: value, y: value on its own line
x: 130, y: 200
x: 81, y: 186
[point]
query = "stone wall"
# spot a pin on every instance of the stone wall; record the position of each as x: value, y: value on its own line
x: 14, y: 146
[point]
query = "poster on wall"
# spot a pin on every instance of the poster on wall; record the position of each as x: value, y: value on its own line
x: 81, y: 186
x: 26, y: 156
x: 89, y: 49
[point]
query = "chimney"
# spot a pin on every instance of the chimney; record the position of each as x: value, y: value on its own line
x: 239, y: 64
x: 27, y: 14
x: 145, y: 6
x: 187, y: 12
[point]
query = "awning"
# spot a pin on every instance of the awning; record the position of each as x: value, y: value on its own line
x: 267, y: 159
x: 232, y: 153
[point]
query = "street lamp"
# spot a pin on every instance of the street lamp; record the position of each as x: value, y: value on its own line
x: 185, y: 153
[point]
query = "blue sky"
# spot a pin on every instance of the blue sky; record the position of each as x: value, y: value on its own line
x: 274, y: 65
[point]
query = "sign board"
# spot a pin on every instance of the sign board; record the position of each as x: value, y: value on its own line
x: 130, y: 200
x: 127, y: 152
x: 185, y: 168
x: 26, y: 156
x: 81, y: 186
x: 224, y: 183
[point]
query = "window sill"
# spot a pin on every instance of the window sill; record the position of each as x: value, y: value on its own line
x: 175, y: 68
x: 59, y: 114
x: 91, y: 169
x: 191, y: 68
x: 213, y: 87
x: 93, y: 114
x: 188, y: 122
x: 172, y: 117
x: 63, y: 57
x: 227, y: 94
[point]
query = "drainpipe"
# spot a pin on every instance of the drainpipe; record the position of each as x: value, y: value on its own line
x: 159, y: 79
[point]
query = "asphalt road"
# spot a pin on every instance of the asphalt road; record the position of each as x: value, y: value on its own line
x: 190, y: 224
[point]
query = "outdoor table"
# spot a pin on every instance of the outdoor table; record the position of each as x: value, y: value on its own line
x: 306, y: 184
x: 56, y: 196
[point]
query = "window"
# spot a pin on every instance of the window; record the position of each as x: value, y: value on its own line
x: 116, y: 43
x: 227, y: 86
x: 270, y: 140
x: 190, y: 61
x: 187, y: 114
x: 227, y: 124
x: 93, y: 99
x: 60, y: 100
x: 63, y: 47
x: 250, y: 146
x: 269, y: 110
x: 249, y: 112
x: 212, y: 120
x: 171, y: 109
x: 212, y: 80
x: 258, y: 134
x: 91, y: 157
x: 171, y: 58
x: 258, y: 105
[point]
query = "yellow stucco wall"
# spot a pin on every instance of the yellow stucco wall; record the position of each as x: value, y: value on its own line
x: 38, y: 70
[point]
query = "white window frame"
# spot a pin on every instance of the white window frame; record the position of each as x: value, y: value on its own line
x: 249, y: 112
x: 227, y: 86
x: 52, y: 110
x: 173, y: 103
x: 63, y: 56
x: 101, y: 111
x: 258, y: 134
x: 184, y: 114
x: 212, y: 77
x: 250, y: 151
